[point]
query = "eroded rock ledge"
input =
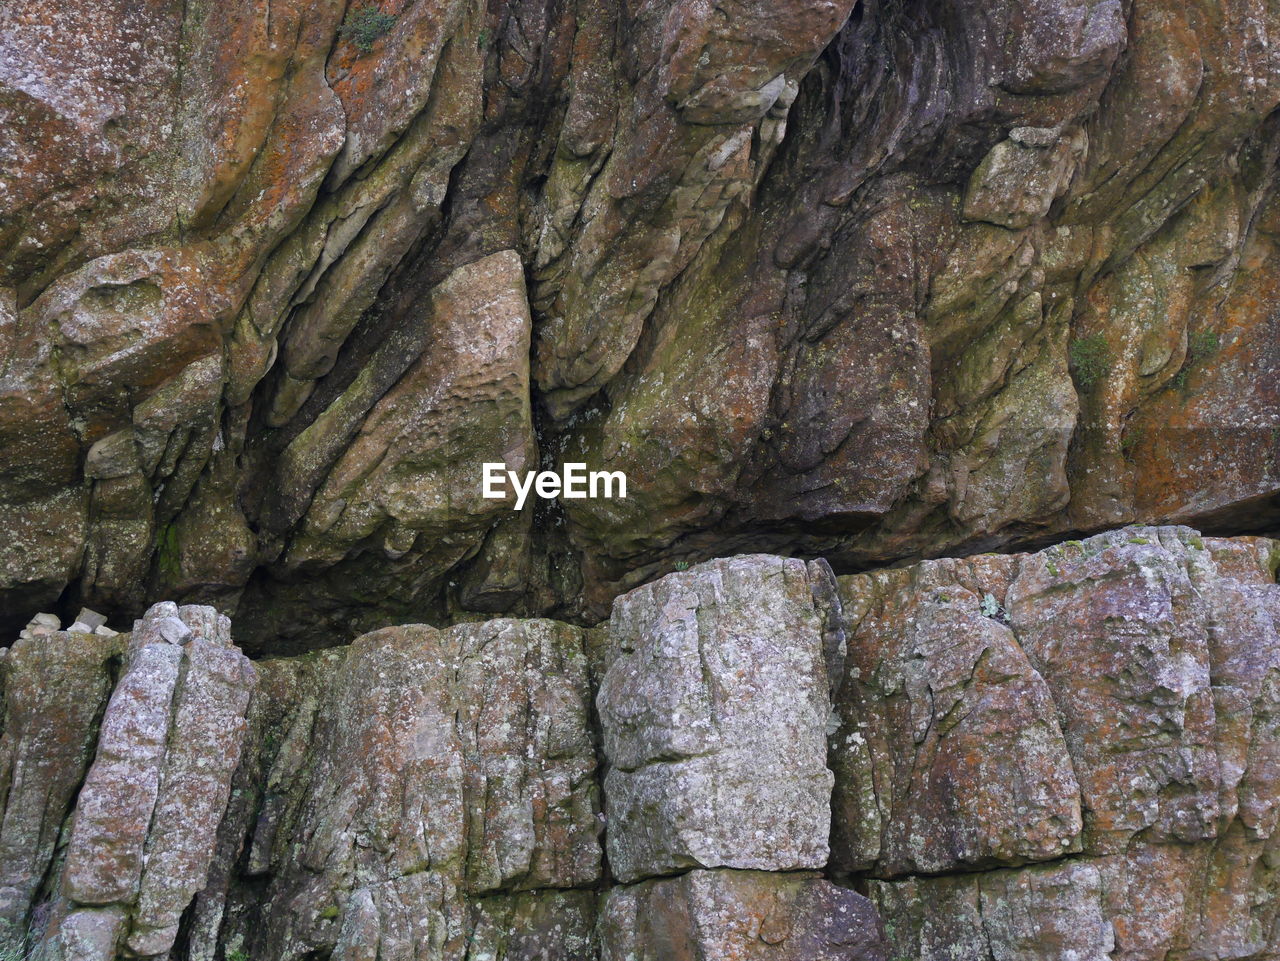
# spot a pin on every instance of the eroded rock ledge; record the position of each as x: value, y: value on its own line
x: 872, y: 280
x: 1073, y: 753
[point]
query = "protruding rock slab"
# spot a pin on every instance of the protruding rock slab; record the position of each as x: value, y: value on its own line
x: 1162, y: 653
x: 739, y: 916
x: 949, y: 753
x: 1211, y: 900
x: 148, y: 813
x: 1041, y: 913
x: 1152, y: 657
x: 714, y: 706
x: 1004, y: 709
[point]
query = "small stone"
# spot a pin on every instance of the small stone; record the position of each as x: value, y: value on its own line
x: 173, y: 630
x: 1035, y: 136
x: 92, y: 619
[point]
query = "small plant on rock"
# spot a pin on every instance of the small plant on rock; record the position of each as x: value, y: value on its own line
x: 17, y: 946
x: 1201, y: 345
x: 364, y: 25
x: 1090, y: 360
x: 991, y: 608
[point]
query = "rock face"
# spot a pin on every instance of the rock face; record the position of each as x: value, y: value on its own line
x: 147, y: 813
x: 55, y: 689
x: 866, y: 280
x: 1067, y: 754
x: 1096, y: 721
x: 857, y: 286
x: 731, y: 915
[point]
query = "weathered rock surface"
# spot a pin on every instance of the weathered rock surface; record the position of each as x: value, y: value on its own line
x: 147, y: 813
x: 55, y: 689
x: 1067, y: 754
x: 714, y: 707
x: 423, y: 791
x: 739, y: 916
x: 950, y: 754
x: 442, y: 764
x: 866, y: 280
x: 1108, y: 707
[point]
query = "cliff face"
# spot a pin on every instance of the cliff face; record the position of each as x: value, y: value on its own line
x: 868, y: 280
x: 1064, y: 755
x: 850, y: 290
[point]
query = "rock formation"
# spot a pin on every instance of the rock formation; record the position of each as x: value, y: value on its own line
x: 852, y: 291
x: 870, y: 280
x: 1067, y: 754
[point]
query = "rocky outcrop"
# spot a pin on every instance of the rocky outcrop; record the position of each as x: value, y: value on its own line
x: 1064, y: 754
x: 857, y: 286
x: 722, y: 915
x: 871, y: 280
x: 142, y: 836
x: 713, y: 707
x: 1071, y: 753
x: 1095, y: 722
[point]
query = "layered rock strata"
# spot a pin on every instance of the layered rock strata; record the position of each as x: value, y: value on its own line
x: 874, y: 280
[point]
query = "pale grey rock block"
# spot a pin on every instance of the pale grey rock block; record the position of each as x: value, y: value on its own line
x: 714, y: 707
x: 147, y: 816
x: 54, y: 691
x: 88, y: 934
x: 104, y: 859
x: 445, y: 765
x: 208, y: 730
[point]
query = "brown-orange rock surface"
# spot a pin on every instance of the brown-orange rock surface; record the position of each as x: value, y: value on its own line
x: 936, y: 342
x: 868, y: 280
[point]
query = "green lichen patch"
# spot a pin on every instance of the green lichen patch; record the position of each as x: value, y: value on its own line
x: 365, y: 25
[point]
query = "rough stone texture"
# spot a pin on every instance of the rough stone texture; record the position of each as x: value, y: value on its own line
x: 872, y: 280
x: 148, y: 811
x: 55, y: 689
x: 714, y: 706
x: 423, y: 794
x: 403, y: 781
x: 739, y: 916
x: 433, y: 794
x: 949, y: 753
x: 1120, y: 694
